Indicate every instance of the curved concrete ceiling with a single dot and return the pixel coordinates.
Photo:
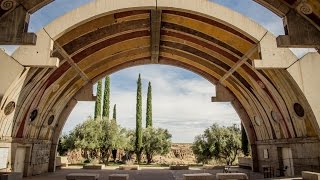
(96, 40)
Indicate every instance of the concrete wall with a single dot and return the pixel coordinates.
(305, 154)
(36, 155)
(9, 71)
(306, 73)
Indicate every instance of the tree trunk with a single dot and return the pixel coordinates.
(138, 157)
(149, 158)
(114, 154)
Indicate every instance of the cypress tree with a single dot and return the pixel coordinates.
(97, 109)
(106, 98)
(138, 143)
(149, 107)
(115, 112)
(244, 142)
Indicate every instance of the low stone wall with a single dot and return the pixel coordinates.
(179, 167)
(305, 154)
(245, 162)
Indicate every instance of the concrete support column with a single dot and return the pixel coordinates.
(299, 32)
(52, 158)
(55, 138)
(14, 28)
(255, 158)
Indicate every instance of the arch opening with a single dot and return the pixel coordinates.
(217, 47)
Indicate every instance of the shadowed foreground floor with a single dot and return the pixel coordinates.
(144, 174)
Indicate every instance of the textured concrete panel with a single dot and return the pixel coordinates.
(10, 69)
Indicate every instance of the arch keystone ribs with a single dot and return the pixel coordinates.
(155, 26)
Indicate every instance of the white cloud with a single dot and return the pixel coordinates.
(181, 101)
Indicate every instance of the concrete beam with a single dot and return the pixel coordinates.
(271, 55)
(298, 32)
(14, 28)
(222, 94)
(155, 26)
(38, 55)
(72, 63)
(239, 63)
(9, 71)
(85, 93)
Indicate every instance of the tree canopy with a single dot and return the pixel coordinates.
(221, 143)
(156, 141)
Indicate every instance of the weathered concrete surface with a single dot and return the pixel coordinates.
(200, 176)
(179, 167)
(38, 55)
(10, 69)
(306, 73)
(205, 38)
(129, 167)
(119, 177)
(299, 32)
(92, 166)
(84, 176)
(226, 176)
(144, 174)
(305, 154)
(307, 175)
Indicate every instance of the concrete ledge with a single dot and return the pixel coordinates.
(212, 167)
(62, 161)
(307, 175)
(84, 176)
(179, 167)
(239, 176)
(245, 162)
(10, 176)
(200, 176)
(92, 166)
(129, 167)
(119, 177)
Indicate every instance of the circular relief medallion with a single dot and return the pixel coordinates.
(9, 108)
(257, 120)
(261, 84)
(298, 109)
(275, 116)
(50, 120)
(8, 4)
(305, 8)
(33, 115)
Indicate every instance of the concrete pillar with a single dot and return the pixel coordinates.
(255, 158)
(52, 158)
(299, 32)
(55, 138)
(14, 28)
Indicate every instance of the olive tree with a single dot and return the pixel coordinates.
(156, 141)
(221, 143)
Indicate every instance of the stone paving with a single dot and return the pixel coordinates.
(143, 174)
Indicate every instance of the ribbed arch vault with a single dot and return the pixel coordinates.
(99, 39)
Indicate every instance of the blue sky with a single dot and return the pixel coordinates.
(181, 99)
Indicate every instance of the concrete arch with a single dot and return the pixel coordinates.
(230, 50)
(301, 19)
